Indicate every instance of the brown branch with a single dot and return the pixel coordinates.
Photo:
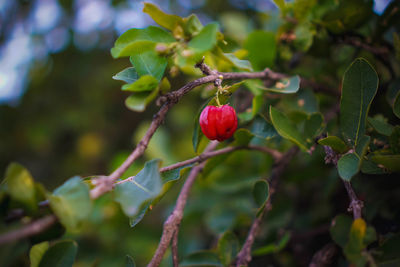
(244, 256)
(171, 225)
(28, 230)
(355, 205)
(174, 249)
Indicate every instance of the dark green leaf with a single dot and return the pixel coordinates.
(144, 83)
(256, 105)
(201, 259)
(149, 63)
(36, 253)
(205, 40)
(262, 128)
(394, 140)
(228, 247)
(369, 167)
(242, 137)
(396, 105)
(71, 202)
(335, 143)
(348, 166)
(136, 41)
(128, 75)
(362, 146)
(262, 49)
(174, 174)
(273, 248)
(313, 125)
(61, 254)
(129, 261)
(360, 83)
(261, 192)
(135, 219)
(390, 162)
(144, 186)
(381, 126)
(21, 186)
(286, 128)
(340, 229)
(163, 19)
(139, 101)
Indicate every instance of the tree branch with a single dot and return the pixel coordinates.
(174, 249)
(244, 256)
(355, 205)
(171, 225)
(28, 230)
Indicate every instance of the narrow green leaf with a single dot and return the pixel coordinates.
(61, 254)
(262, 128)
(286, 128)
(228, 247)
(205, 40)
(335, 143)
(144, 83)
(273, 248)
(390, 162)
(129, 261)
(262, 49)
(396, 105)
(163, 19)
(71, 202)
(36, 253)
(128, 75)
(201, 258)
(348, 166)
(136, 41)
(145, 185)
(360, 83)
(288, 85)
(380, 125)
(150, 63)
(21, 185)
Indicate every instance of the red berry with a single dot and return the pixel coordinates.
(218, 123)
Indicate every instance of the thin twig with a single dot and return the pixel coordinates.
(171, 225)
(244, 256)
(356, 205)
(28, 230)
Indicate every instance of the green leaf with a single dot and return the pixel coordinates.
(390, 162)
(394, 140)
(205, 40)
(369, 167)
(340, 229)
(174, 174)
(163, 19)
(21, 185)
(192, 25)
(280, 3)
(135, 219)
(201, 259)
(286, 128)
(348, 166)
(360, 83)
(273, 248)
(242, 137)
(288, 85)
(396, 105)
(36, 253)
(355, 245)
(261, 192)
(262, 128)
(71, 202)
(128, 75)
(136, 41)
(61, 254)
(238, 63)
(262, 49)
(228, 247)
(380, 125)
(129, 261)
(256, 104)
(149, 63)
(362, 146)
(139, 101)
(145, 185)
(313, 125)
(144, 83)
(335, 143)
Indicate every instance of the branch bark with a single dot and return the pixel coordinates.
(244, 256)
(171, 225)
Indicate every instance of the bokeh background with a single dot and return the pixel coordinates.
(62, 114)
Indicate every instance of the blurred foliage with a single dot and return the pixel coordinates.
(72, 121)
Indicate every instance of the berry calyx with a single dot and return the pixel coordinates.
(218, 123)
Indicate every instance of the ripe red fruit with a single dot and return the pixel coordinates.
(218, 123)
